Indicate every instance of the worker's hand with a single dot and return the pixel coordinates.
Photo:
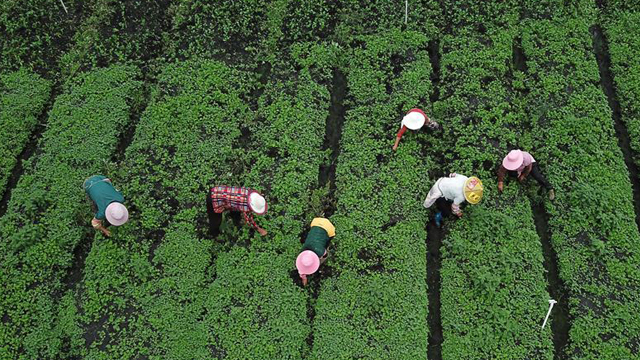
(262, 231)
(521, 177)
(304, 281)
(395, 146)
(106, 232)
(459, 215)
(500, 186)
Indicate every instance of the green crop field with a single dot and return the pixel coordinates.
(301, 100)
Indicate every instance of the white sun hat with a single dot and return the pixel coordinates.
(257, 203)
(117, 214)
(413, 120)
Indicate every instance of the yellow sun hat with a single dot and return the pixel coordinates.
(473, 190)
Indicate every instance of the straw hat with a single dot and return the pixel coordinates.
(414, 120)
(473, 190)
(257, 203)
(117, 214)
(307, 262)
(513, 160)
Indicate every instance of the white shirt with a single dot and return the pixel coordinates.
(453, 188)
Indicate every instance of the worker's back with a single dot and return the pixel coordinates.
(453, 188)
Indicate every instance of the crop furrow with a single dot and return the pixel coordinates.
(379, 246)
(22, 140)
(591, 220)
(560, 323)
(601, 49)
(333, 132)
(39, 231)
(492, 287)
(183, 143)
(434, 262)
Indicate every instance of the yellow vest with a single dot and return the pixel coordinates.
(326, 225)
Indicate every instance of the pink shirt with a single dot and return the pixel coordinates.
(527, 160)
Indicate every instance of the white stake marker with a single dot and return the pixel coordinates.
(64, 7)
(406, 10)
(551, 303)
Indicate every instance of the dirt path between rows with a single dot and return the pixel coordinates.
(601, 49)
(327, 177)
(560, 324)
(29, 150)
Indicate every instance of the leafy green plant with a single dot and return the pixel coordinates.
(23, 96)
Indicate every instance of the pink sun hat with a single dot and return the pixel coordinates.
(117, 214)
(414, 119)
(513, 160)
(307, 262)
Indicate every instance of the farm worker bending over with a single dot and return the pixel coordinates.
(107, 203)
(232, 198)
(449, 193)
(414, 120)
(314, 252)
(520, 164)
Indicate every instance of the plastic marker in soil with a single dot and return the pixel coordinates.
(551, 303)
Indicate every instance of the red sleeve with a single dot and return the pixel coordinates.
(248, 217)
(401, 132)
(418, 110)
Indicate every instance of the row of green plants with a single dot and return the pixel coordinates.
(48, 214)
(144, 289)
(23, 96)
(621, 30)
(163, 275)
(591, 221)
(372, 302)
(256, 306)
(493, 287)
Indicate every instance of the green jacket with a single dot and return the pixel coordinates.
(317, 241)
(102, 193)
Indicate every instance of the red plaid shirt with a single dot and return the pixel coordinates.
(233, 198)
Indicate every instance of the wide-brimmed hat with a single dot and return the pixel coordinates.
(257, 203)
(117, 214)
(473, 190)
(307, 262)
(513, 160)
(414, 120)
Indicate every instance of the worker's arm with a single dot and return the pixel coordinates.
(304, 280)
(502, 171)
(248, 217)
(525, 172)
(455, 208)
(432, 124)
(399, 136)
(97, 224)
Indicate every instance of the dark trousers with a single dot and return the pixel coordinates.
(215, 219)
(537, 175)
(444, 206)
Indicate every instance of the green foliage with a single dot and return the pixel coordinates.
(493, 290)
(23, 96)
(48, 215)
(183, 144)
(621, 29)
(591, 221)
(35, 33)
(117, 31)
(378, 252)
